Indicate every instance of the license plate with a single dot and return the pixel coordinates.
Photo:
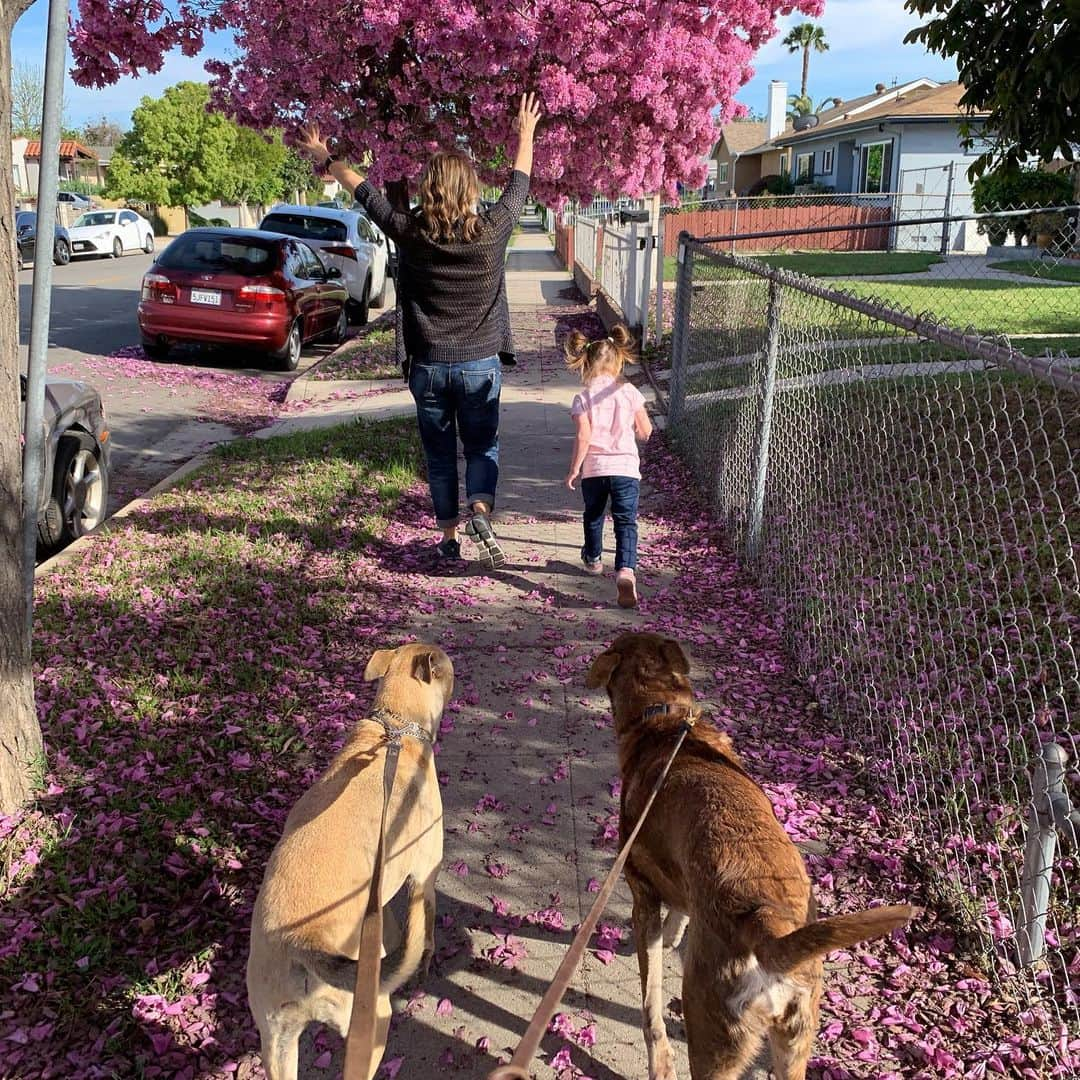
(206, 296)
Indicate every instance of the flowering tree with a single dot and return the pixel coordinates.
(629, 88)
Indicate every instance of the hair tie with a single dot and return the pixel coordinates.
(612, 340)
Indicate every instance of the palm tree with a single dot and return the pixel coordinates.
(804, 37)
(803, 105)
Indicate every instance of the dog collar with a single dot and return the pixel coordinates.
(663, 708)
(396, 727)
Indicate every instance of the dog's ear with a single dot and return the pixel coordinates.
(674, 657)
(603, 667)
(379, 664)
(428, 667)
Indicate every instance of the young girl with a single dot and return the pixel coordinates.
(610, 416)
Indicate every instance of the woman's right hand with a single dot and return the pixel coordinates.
(528, 116)
(312, 143)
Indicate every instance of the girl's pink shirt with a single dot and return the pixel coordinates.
(611, 404)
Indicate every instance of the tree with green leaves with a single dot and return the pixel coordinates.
(1017, 62)
(177, 153)
(256, 172)
(803, 38)
(804, 106)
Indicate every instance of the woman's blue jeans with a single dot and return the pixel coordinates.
(451, 400)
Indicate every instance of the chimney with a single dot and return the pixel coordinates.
(776, 116)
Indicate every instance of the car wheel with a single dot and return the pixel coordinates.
(380, 300)
(61, 252)
(341, 329)
(288, 357)
(359, 309)
(80, 492)
(155, 350)
(148, 244)
(117, 248)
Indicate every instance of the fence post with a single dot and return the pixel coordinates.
(768, 393)
(1050, 811)
(945, 225)
(680, 332)
(661, 240)
(628, 300)
(734, 224)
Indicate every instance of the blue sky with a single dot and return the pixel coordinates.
(865, 36)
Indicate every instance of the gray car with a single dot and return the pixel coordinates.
(74, 489)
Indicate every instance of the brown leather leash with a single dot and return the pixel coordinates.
(549, 1003)
(361, 1037)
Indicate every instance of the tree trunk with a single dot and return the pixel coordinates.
(20, 734)
(805, 68)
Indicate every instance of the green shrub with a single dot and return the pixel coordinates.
(1015, 189)
(773, 184)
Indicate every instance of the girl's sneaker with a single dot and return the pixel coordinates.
(592, 566)
(626, 584)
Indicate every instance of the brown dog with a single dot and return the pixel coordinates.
(305, 929)
(712, 849)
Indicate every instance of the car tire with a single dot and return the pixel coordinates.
(61, 252)
(340, 330)
(287, 358)
(117, 247)
(148, 244)
(380, 300)
(359, 310)
(80, 492)
(155, 350)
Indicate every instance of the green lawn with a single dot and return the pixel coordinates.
(839, 263)
(370, 355)
(1040, 268)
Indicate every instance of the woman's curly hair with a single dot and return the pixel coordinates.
(449, 191)
(604, 356)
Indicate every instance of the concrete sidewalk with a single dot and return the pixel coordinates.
(526, 757)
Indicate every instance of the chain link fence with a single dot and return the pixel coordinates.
(899, 463)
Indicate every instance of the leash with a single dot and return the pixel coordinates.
(530, 1041)
(361, 1037)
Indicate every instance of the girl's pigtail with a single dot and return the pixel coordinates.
(576, 349)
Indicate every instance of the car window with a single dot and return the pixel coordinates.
(202, 252)
(313, 268)
(294, 262)
(127, 217)
(305, 226)
(363, 227)
(25, 220)
(96, 217)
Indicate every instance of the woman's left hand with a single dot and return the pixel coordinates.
(313, 144)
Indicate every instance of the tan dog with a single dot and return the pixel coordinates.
(305, 929)
(712, 848)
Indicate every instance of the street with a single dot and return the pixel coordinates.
(159, 414)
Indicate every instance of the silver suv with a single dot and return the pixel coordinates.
(74, 488)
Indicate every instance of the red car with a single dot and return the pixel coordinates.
(256, 290)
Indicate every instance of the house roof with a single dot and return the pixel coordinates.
(69, 149)
(102, 153)
(740, 135)
(922, 103)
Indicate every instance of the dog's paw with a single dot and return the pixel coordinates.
(675, 928)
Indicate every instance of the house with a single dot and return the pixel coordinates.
(746, 152)
(77, 162)
(898, 141)
(104, 158)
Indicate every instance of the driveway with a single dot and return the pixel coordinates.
(160, 414)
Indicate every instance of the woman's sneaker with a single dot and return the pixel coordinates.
(626, 584)
(479, 528)
(592, 566)
(448, 549)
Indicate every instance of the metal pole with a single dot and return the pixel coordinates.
(945, 237)
(41, 290)
(680, 332)
(768, 394)
(735, 225)
(1050, 811)
(660, 241)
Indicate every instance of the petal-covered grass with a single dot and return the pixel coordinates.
(369, 355)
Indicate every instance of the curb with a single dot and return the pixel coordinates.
(77, 547)
(306, 377)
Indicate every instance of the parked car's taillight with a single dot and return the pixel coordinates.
(344, 251)
(263, 296)
(160, 288)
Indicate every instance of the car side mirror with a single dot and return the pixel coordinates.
(332, 272)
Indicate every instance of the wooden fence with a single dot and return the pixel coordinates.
(703, 223)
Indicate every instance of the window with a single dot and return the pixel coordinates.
(804, 168)
(827, 162)
(306, 226)
(722, 172)
(127, 218)
(875, 167)
(203, 252)
(785, 162)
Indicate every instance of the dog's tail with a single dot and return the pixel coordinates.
(839, 932)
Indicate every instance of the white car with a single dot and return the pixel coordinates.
(110, 232)
(345, 239)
